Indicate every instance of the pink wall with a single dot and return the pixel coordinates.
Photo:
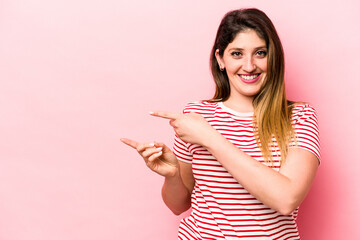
(77, 75)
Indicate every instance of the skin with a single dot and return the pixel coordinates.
(245, 55)
(179, 181)
(282, 191)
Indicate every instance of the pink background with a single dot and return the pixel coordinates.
(77, 75)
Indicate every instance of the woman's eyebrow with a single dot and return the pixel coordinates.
(238, 49)
(261, 47)
(241, 49)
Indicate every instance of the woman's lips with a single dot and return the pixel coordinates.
(250, 78)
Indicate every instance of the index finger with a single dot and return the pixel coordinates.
(129, 142)
(166, 115)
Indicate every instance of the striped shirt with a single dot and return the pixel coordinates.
(221, 207)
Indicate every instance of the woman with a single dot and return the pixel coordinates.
(244, 160)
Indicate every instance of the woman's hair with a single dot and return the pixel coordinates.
(272, 111)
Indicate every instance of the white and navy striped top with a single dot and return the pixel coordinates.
(221, 207)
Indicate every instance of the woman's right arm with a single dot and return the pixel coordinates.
(176, 191)
(179, 181)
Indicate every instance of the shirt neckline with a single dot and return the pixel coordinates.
(240, 114)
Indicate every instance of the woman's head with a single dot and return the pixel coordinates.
(231, 25)
(245, 63)
(272, 111)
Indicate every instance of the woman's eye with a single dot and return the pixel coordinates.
(261, 53)
(236, 54)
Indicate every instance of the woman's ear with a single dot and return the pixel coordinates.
(219, 60)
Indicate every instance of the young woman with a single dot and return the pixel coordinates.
(244, 160)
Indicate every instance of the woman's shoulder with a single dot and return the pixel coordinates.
(298, 107)
(302, 111)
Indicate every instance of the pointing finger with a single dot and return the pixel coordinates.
(143, 146)
(130, 142)
(166, 115)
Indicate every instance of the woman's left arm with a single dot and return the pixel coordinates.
(282, 191)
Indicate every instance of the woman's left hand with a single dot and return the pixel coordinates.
(191, 127)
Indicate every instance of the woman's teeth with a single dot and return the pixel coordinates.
(249, 77)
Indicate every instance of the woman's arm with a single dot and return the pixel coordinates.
(282, 191)
(179, 181)
(176, 191)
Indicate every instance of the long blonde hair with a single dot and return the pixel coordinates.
(272, 111)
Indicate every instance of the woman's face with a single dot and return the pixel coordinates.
(245, 62)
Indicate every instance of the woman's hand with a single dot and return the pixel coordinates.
(191, 127)
(158, 157)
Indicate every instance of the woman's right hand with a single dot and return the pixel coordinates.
(157, 156)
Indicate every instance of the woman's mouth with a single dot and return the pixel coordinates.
(249, 78)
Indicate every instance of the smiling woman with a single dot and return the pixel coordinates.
(245, 159)
(245, 62)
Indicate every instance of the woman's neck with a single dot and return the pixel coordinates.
(240, 104)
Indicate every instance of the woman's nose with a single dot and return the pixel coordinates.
(249, 65)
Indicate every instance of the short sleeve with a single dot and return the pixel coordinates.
(181, 148)
(306, 129)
